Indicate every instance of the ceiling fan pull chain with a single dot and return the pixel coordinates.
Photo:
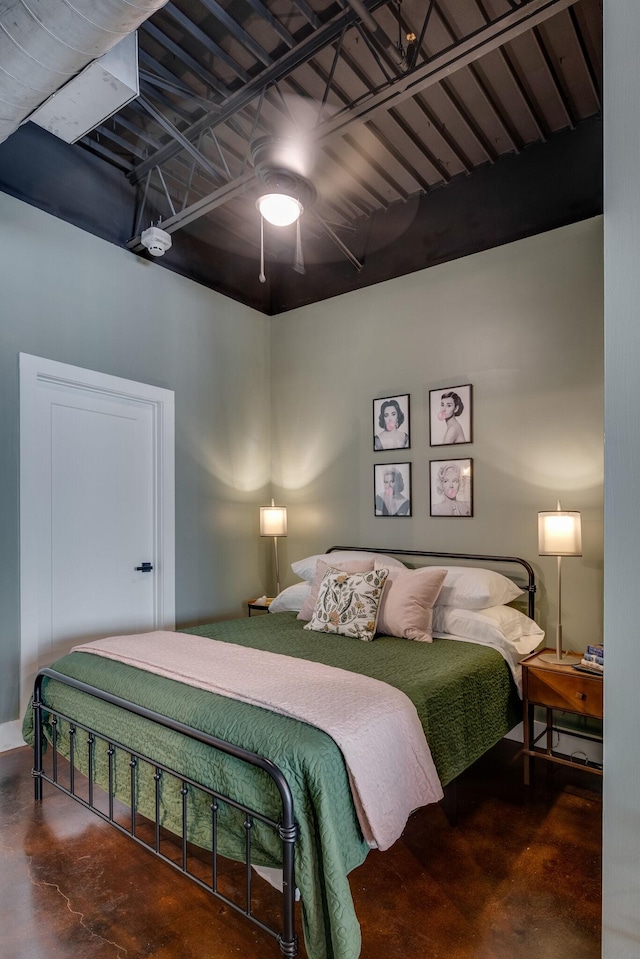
(262, 277)
(298, 263)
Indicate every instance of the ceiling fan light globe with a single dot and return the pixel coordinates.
(280, 209)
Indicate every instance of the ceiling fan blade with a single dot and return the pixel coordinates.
(298, 261)
(347, 182)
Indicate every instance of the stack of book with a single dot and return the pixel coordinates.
(593, 660)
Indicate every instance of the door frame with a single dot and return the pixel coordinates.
(35, 370)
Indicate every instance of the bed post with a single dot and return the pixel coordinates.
(288, 833)
(36, 772)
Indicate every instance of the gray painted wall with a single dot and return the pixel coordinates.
(523, 325)
(621, 868)
(69, 296)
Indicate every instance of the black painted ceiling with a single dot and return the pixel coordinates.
(436, 128)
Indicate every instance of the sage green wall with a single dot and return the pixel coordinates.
(621, 860)
(523, 324)
(71, 297)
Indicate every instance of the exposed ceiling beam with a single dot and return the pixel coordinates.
(506, 28)
(185, 58)
(200, 207)
(237, 32)
(209, 45)
(175, 133)
(300, 54)
(264, 12)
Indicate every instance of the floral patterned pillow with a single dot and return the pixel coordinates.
(348, 603)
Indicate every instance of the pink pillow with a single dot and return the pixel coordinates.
(346, 566)
(407, 603)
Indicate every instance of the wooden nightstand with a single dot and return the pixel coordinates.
(556, 688)
(259, 605)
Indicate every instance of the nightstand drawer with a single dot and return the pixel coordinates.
(566, 690)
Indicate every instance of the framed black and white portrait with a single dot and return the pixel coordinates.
(391, 423)
(450, 415)
(392, 489)
(451, 492)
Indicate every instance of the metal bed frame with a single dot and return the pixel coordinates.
(529, 587)
(285, 828)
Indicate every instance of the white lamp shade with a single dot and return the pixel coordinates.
(279, 209)
(559, 533)
(273, 521)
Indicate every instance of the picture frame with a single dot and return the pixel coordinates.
(391, 423)
(451, 487)
(392, 489)
(450, 419)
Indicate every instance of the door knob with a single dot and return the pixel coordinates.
(145, 568)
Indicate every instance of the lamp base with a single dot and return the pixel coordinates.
(564, 660)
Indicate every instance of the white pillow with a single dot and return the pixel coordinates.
(290, 598)
(503, 628)
(348, 603)
(305, 568)
(466, 587)
(497, 625)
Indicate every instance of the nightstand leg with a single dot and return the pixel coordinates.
(527, 730)
(549, 731)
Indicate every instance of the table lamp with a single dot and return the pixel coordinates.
(559, 534)
(273, 522)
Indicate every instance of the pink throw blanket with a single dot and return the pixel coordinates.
(375, 725)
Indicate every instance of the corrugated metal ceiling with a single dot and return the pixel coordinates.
(481, 79)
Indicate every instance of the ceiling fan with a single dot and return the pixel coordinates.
(286, 161)
(282, 165)
(297, 179)
(297, 173)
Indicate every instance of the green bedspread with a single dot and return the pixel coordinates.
(463, 693)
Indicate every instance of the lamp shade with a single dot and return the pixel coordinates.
(273, 521)
(279, 208)
(559, 533)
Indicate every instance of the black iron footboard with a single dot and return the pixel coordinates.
(286, 828)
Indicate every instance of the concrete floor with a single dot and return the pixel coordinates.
(517, 876)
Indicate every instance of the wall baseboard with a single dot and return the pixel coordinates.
(11, 735)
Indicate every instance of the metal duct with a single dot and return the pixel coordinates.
(45, 43)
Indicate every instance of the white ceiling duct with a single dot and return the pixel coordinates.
(45, 43)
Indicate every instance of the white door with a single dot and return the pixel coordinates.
(96, 506)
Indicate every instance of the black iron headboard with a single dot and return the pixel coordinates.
(529, 586)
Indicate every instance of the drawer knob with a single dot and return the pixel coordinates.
(580, 695)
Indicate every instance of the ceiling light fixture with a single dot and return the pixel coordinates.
(279, 164)
(280, 209)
